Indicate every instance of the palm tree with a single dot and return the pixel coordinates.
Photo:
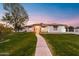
(16, 14)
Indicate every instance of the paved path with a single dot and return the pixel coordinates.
(41, 47)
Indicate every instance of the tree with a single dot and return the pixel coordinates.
(71, 29)
(1, 30)
(4, 30)
(15, 15)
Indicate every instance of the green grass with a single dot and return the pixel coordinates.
(63, 44)
(20, 44)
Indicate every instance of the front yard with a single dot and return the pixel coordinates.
(24, 44)
(19, 44)
(63, 44)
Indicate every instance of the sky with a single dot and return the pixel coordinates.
(61, 13)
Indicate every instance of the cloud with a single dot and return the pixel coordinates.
(73, 21)
(2, 13)
(41, 19)
(46, 19)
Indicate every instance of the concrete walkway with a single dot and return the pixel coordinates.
(41, 47)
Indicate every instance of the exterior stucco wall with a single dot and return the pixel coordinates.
(50, 29)
(44, 29)
(61, 29)
(76, 30)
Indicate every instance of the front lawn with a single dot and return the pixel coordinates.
(63, 44)
(19, 44)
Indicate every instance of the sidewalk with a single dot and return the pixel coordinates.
(41, 47)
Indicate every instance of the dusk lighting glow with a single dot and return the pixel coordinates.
(63, 13)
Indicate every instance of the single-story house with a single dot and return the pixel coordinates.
(76, 29)
(49, 28)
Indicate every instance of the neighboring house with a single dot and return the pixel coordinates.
(76, 29)
(49, 28)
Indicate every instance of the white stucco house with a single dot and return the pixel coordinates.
(76, 29)
(48, 28)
